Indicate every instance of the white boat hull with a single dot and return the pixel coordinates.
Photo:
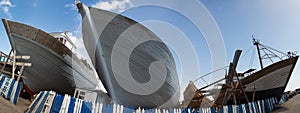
(49, 70)
(134, 65)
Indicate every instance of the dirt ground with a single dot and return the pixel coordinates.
(8, 107)
(291, 106)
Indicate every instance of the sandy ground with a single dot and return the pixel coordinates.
(8, 107)
(291, 106)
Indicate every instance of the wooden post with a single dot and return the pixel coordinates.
(241, 85)
(14, 65)
(253, 96)
(256, 43)
(21, 72)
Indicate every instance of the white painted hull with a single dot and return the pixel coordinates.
(269, 82)
(49, 70)
(109, 38)
(272, 80)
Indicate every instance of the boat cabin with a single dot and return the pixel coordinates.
(64, 39)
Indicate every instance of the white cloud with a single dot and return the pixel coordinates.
(72, 6)
(78, 42)
(117, 6)
(5, 8)
(6, 2)
(5, 5)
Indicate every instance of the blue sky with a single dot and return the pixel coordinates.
(275, 22)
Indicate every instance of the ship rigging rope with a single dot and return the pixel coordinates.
(252, 58)
(210, 73)
(273, 49)
(252, 55)
(250, 48)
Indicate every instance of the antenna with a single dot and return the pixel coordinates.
(67, 30)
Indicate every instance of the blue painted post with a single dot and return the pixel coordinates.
(247, 108)
(57, 102)
(36, 101)
(229, 107)
(2, 80)
(212, 110)
(103, 108)
(221, 110)
(42, 104)
(10, 89)
(18, 90)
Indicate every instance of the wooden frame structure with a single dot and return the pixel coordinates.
(15, 64)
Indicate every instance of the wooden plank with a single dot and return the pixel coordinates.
(6, 72)
(9, 73)
(20, 64)
(25, 57)
(22, 76)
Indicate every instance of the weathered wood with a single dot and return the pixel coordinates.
(18, 57)
(14, 65)
(51, 61)
(20, 64)
(21, 72)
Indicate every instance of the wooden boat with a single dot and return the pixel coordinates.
(54, 66)
(269, 81)
(112, 40)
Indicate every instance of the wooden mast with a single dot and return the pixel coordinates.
(256, 43)
(229, 79)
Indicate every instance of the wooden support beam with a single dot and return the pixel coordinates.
(20, 64)
(21, 76)
(18, 57)
(14, 65)
(23, 57)
(6, 72)
(21, 72)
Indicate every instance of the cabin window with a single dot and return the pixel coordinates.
(61, 39)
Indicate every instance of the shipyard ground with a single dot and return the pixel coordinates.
(291, 106)
(8, 107)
